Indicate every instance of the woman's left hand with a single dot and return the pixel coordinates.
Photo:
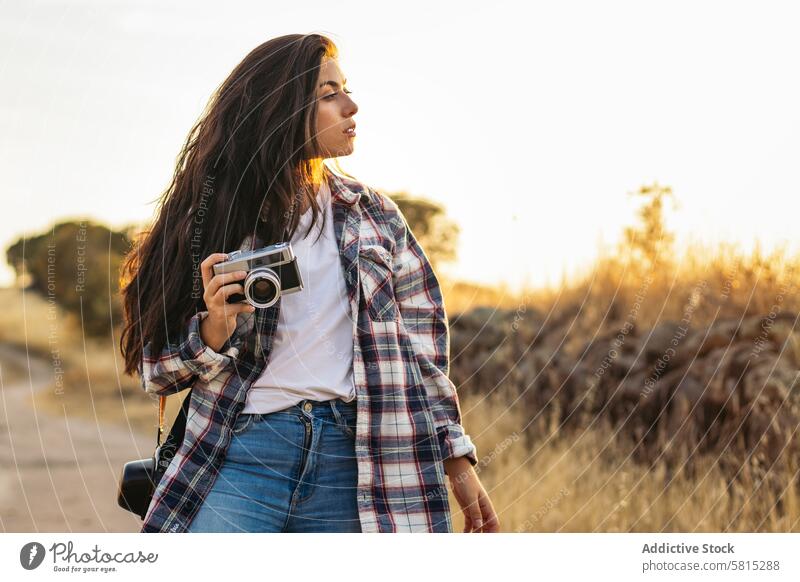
(479, 515)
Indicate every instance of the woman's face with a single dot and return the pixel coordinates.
(335, 111)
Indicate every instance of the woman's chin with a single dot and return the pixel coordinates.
(339, 152)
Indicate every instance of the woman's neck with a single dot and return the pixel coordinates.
(306, 203)
(317, 179)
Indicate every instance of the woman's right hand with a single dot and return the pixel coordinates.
(219, 325)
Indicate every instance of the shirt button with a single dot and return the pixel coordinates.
(307, 407)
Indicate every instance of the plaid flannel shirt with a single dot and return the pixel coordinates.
(408, 415)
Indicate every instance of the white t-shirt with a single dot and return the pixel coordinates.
(312, 351)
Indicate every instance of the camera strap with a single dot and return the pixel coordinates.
(167, 449)
(288, 221)
(162, 406)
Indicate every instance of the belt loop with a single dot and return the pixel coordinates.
(337, 415)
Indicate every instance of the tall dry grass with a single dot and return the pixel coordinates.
(585, 481)
(547, 474)
(543, 475)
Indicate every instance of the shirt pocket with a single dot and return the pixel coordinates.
(377, 283)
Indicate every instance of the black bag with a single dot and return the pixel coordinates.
(140, 478)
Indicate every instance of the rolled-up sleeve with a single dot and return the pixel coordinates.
(182, 363)
(422, 310)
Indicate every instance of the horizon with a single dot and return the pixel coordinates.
(103, 95)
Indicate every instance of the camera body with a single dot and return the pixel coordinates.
(136, 486)
(272, 271)
(140, 478)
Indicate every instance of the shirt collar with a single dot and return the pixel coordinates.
(344, 189)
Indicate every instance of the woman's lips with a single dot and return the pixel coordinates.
(351, 132)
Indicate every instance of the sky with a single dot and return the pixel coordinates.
(530, 122)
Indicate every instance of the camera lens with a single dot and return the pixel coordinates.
(263, 291)
(262, 287)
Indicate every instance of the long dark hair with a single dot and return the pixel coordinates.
(244, 164)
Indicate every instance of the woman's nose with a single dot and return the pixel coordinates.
(352, 108)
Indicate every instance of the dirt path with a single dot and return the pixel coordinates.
(58, 474)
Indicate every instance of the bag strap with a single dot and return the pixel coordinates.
(179, 425)
(162, 405)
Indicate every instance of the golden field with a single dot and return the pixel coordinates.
(562, 446)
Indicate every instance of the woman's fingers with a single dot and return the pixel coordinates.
(226, 291)
(474, 512)
(220, 300)
(221, 320)
(491, 524)
(207, 264)
(479, 515)
(218, 282)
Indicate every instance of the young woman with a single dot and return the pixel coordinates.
(332, 409)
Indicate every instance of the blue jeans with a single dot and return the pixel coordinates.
(288, 471)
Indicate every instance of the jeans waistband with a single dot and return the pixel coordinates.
(322, 406)
(316, 408)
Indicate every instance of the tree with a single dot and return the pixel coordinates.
(76, 265)
(650, 242)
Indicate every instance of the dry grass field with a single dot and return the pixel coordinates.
(649, 395)
(564, 446)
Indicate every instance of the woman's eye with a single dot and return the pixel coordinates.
(332, 95)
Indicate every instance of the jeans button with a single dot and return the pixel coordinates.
(307, 407)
